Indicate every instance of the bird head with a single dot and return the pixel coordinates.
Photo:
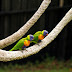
(44, 33)
(30, 37)
(40, 37)
(26, 43)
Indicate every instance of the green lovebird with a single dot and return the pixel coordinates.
(38, 36)
(23, 43)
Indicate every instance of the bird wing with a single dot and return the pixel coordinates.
(38, 32)
(19, 44)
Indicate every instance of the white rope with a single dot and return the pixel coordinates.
(17, 35)
(13, 55)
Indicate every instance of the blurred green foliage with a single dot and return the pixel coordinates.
(50, 64)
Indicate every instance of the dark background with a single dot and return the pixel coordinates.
(15, 13)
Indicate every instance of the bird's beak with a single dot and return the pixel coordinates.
(46, 34)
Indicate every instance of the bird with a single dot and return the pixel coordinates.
(39, 35)
(23, 43)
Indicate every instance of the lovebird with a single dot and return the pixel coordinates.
(39, 35)
(23, 43)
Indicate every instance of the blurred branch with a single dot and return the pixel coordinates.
(61, 3)
(17, 35)
(13, 55)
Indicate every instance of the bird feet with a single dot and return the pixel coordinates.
(38, 44)
(25, 49)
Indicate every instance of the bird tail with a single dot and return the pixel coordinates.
(11, 49)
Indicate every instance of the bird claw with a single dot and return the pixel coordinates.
(38, 44)
(25, 49)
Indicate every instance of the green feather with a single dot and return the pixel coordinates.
(38, 32)
(36, 37)
(19, 45)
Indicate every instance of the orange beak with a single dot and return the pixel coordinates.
(46, 34)
(26, 43)
(40, 37)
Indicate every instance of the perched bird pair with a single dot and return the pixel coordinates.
(24, 42)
